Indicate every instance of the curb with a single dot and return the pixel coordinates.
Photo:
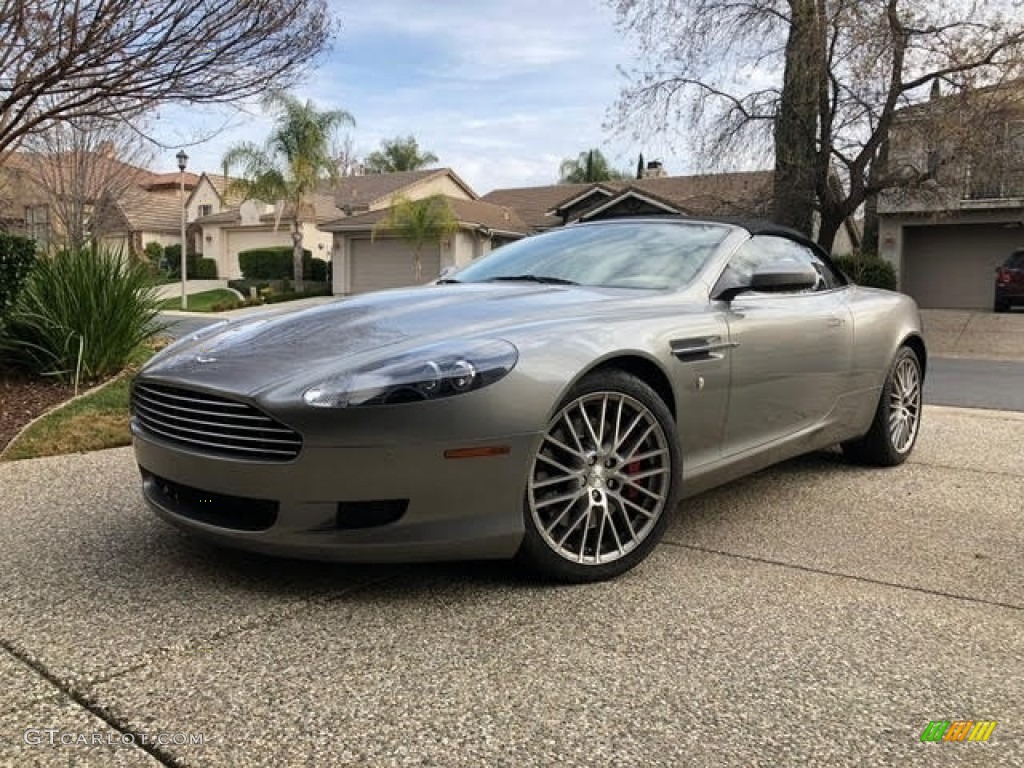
(17, 435)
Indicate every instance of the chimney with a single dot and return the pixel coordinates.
(654, 170)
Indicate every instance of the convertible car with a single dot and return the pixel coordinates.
(551, 402)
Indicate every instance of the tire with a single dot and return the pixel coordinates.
(602, 483)
(1001, 305)
(897, 419)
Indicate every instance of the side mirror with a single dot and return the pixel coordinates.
(791, 279)
(785, 278)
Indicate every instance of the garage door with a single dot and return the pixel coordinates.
(953, 266)
(388, 263)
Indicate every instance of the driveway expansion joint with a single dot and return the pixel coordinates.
(840, 575)
(83, 701)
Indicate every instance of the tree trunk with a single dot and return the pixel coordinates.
(831, 221)
(417, 265)
(796, 157)
(297, 256)
(869, 242)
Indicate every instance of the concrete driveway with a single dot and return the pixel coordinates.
(814, 614)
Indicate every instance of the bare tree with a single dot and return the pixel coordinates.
(744, 71)
(76, 164)
(63, 59)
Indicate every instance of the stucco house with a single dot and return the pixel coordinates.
(222, 225)
(143, 214)
(126, 206)
(367, 262)
(964, 213)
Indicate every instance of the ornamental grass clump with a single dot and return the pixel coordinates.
(80, 316)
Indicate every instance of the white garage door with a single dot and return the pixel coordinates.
(388, 263)
(953, 266)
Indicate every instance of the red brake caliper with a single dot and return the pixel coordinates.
(632, 468)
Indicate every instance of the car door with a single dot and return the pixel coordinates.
(791, 352)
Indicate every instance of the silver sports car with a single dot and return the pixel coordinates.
(552, 401)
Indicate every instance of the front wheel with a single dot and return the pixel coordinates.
(897, 417)
(602, 482)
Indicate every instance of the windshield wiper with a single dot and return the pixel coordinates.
(447, 281)
(547, 280)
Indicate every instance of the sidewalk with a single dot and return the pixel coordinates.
(972, 334)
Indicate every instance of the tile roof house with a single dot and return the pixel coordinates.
(365, 261)
(742, 194)
(125, 205)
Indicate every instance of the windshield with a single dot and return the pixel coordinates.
(653, 255)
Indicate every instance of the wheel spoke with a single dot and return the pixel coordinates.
(556, 499)
(561, 516)
(649, 473)
(562, 446)
(590, 427)
(575, 436)
(582, 517)
(622, 440)
(629, 456)
(552, 462)
(655, 496)
(646, 513)
(600, 531)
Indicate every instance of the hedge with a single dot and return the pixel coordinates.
(206, 269)
(868, 270)
(276, 264)
(17, 257)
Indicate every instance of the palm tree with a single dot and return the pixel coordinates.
(399, 154)
(420, 223)
(591, 165)
(293, 163)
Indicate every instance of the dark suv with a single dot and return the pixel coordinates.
(1010, 282)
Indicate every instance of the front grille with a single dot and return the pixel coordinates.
(212, 424)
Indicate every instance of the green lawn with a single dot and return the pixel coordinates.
(207, 301)
(93, 422)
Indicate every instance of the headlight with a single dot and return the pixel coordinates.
(439, 370)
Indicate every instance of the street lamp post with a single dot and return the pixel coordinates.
(182, 162)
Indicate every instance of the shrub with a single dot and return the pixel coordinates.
(154, 252)
(868, 270)
(274, 263)
(317, 271)
(17, 257)
(92, 302)
(172, 255)
(206, 269)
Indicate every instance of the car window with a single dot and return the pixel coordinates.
(652, 255)
(1016, 261)
(769, 252)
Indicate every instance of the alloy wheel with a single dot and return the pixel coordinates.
(601, 479)
(904, 404)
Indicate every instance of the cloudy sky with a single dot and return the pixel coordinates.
(499, 90)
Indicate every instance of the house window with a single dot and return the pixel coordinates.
(205, 210)
(37, 224)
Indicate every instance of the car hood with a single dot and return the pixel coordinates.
(251, 355)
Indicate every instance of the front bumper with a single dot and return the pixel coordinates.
(465, 508)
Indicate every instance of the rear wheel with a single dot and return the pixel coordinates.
(603, 481)
(897, 418)
(1001, 305)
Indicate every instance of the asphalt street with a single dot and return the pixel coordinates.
(816, 614)
(966, 383)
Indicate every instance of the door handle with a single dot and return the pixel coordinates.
(835, 321)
